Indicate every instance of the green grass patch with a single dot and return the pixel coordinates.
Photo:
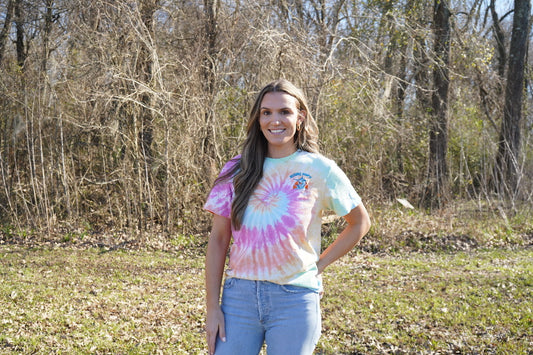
(469, 302)
(98, 301)
(93, 301)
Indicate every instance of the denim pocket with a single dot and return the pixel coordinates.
(295, 289)
(229, 283)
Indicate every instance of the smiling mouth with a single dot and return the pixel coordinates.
(276, 131)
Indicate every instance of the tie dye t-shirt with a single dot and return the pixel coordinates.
(279, 240)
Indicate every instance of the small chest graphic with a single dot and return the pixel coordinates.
(300, 181)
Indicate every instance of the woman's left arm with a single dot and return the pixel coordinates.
(358, 225)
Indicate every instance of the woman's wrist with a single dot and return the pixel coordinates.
(320, 267)
(213, 305)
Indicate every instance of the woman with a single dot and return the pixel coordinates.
(270, 200)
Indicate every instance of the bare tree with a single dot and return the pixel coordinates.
(22, 51)
(211, 8)
(509, 144)
(6, 28)
(499, 37)
(436, 191)
(49, 18)
(144, 68)
(395, 66)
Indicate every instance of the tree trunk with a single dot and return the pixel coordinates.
(396, 53)
(326, 25)
(507, 159)
(19, 25)
(421, 71)
(48, 20)
(6, 28)
(145, 73)
(500, 39)
(144, 70)
(437, 189)
(209, 73)
(210, 8)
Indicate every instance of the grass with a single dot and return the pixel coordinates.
(97, 301)
(474, 302)
(93, 301)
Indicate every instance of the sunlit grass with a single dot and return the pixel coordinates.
(72, 301)
(100, 302)
(467, 302)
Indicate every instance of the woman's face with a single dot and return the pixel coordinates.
(278, 119)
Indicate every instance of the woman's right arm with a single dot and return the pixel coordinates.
(217, 249)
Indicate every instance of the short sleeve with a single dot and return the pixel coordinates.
(341, 196)
(221, 196)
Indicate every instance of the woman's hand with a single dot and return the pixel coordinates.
(217, 248)
(214, 327)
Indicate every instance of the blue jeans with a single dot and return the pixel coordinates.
(286, 318)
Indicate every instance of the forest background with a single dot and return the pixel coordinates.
(116, 116)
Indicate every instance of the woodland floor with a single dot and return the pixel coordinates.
(410, 289)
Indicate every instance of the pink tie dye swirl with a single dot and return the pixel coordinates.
(273, 237)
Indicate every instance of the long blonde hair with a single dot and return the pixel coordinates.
(248, 171)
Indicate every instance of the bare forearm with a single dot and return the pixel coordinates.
(217, 248)
(340, 247)
(214, 269)
(215, 259)
(358, 226)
